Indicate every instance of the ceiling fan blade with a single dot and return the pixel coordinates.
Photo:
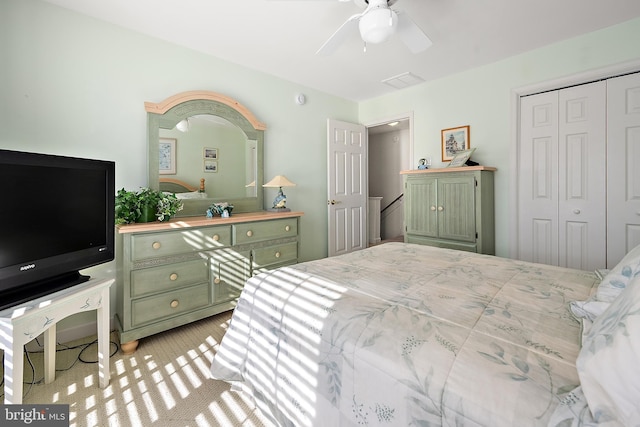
(411, 35)
(337, 38)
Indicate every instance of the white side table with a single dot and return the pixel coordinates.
(23, 323)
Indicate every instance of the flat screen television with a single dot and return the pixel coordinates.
(56, 218)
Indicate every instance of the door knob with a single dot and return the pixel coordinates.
(440, 208)
(433, 208)
(576, 211)
(333, 202)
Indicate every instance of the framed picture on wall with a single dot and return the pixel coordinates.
(454, 140)
(211, 153)
(210, 165)
(167, 153)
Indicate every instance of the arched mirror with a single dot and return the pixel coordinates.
(206, 148)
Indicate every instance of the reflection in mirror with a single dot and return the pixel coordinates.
(214, 149)
(222, 145)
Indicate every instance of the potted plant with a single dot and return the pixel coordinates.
(145, 205)
(168, 206)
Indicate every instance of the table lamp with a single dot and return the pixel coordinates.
(280, 202)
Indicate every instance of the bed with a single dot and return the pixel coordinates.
(182, 189)
(409, 335)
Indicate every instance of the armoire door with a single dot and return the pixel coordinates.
(562, 177)
(421, 216)
(623, 160)
(456, 208)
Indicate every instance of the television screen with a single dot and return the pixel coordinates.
(57, 217)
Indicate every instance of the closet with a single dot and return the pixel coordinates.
(578, 179)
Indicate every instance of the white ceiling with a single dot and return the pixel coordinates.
(280, 37)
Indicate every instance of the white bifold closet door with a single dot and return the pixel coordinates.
(623, 163)
(562, 177)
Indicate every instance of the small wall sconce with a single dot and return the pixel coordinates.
(280, 202)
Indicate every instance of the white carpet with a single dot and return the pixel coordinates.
(164, 383)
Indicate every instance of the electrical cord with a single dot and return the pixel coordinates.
(79, 358)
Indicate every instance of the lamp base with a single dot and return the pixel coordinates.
(279, 210)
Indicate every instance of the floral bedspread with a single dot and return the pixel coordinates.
(406, 335)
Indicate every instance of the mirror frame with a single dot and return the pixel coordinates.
(168, 113)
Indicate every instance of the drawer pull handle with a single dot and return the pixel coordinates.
(175, 303)
(216, 280)
(287, 228)
(249, 233)
(216, 237)
(278, 254)
(156, 245)
(576, 211)
(440, 208)
(173, 277)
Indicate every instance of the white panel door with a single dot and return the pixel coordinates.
(538, 179)
(562, 177)
(582, 177)
(347, 187)
(623, 160)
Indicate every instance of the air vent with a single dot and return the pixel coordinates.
(403, 80)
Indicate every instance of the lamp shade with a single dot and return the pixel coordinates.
(279, 181)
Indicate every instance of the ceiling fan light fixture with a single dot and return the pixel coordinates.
(183, 125)
(377, 25)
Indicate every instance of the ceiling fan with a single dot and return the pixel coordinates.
(376, 24)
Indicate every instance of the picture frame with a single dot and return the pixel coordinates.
(210, 153)
(460, 158)
(167, 156)
(210, 166)
(454, 140)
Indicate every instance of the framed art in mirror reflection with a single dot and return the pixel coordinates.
(167, 156)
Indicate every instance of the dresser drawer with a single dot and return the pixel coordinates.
(154, 245)
(170, 304)
(166, 277)
(277, 254)
(265, 230)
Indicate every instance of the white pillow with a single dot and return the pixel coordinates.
(609, 361)
(191, 195)
(617, 279)
(587, 312)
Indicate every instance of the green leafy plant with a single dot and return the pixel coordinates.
(168, 206)
(131, 206)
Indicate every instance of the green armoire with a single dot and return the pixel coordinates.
(450, 208)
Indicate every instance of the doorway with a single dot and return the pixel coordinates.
(389, 152)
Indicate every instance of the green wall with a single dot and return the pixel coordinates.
(482, 98)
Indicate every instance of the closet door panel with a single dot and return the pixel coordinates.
(623, 160)
(538, 179)
(581, 176)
